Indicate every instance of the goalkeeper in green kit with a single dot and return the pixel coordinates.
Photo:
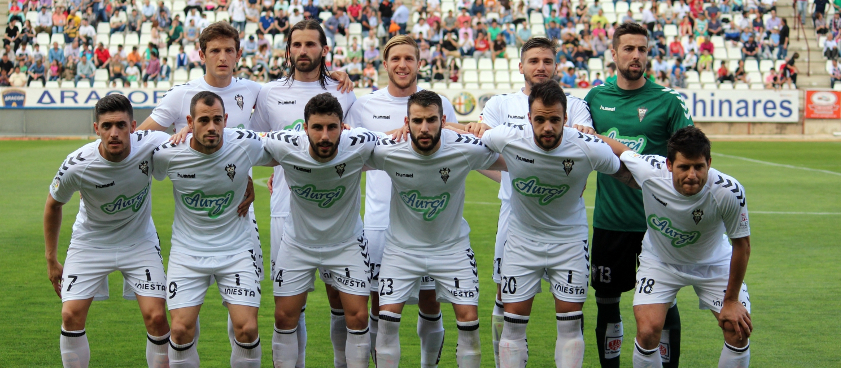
(642, 115)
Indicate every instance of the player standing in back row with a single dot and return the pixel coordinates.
(642, 115)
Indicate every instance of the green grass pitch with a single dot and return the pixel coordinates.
(793, 194)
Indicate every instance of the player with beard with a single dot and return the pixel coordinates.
(537, 64)
(427, 235)
(113, 231)
(382, 111)
(642, 115)
(547, 235)
(280, 106)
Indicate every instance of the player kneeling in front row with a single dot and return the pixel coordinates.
(548, 164)
(427, 234)
(113, 230)
(688, 206)
(209, 175)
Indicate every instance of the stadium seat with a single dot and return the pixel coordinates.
(765, 65)
(251, 28)
(622, 8)
(670, 31)
(51, 84)
(733, 65)
(719, 54)
(828, 66)
(470, 76)
(537, 30)
(692, 77)
(341, 41)
(709, 86)
(100, 84)
(595, 64)
(741, 86)
(486, 76)
(837, 87)
(189, 48)
(173, 50)
(487, 85)
(31, 16)
(144, 40)
(195, 73)
(512, 52)
(536, 18)
(502, 76)
(635, 6)
(116, 39)
(733, 52)
(694, 86)
(100, 75)
(178, 6)
(514, 64)
(608, 7)
(112, 49)
(718, 41)
(491, 16)
(355, 29)
(516, 77)
(446, 6)
(146, 28)
(501, 64)
(132, 39)
(222, 15)
(707, 77)
(57, 37)
(485, 64)
(43, 39)
(103, 28)
(750, 66)
(469, 63)
(425, 85)
(471, 85)
(755, 77)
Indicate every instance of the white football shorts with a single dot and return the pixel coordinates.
(346, 265)
(525, 262)
(501, 237)
(455, 276)
(237, 277)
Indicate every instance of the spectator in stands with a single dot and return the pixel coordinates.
(267, 23)
(312, 10)
(23, 57)
(401, 15)
(166, 70)
(37, 72)
(771, 43)
(580, 58)
(690, 61)
(834, 73)
(420, 31)
(818, 8)
(55, 54)
(372, 56)
(102, 56)
(153, 70)
(477, 8)
(466, 46)
(732, 33)
(87, 32)
(583, 80)
(723, 74)
(354, 70)
(18, 78)
(750, 49)
(714, 27)
(44, 22)
(194, 59)
(498, 47)
(830, 48)
(676, 49)
(772, 80)
(252, 13)
(134, 58)
(237, 12)
(176, 32)
(453, 70)
(148, 10)
(660, 67)
(181, 59)
(91, 17)
(68, 70)
(482, 47)
(275, 71)
(118, 21)
(15, 12)
(597, 81)
(116, 70)
(369, 21)
(4, 79)
(660, 47)
(705, 62)
(450, 46)
(678, 75)
(27, 33)
(71, 27)
(835, 23)
(132, 73)
(133, 22)
(191, 33)
(821, 28)
(88, 54)
(249, 46)
(568, 78)
(685, 27)
(338, 23)
(788, 72)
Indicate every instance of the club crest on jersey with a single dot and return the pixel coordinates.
(696, 215)
(340, 169)
(240, 102)
(231, 170)
(144, 167)
(679, 237)
(568, 165)
(445, 174)
(641, 112)
(532, 187)
(122, 203)
(429, 206)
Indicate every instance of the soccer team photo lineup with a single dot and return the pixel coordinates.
(663, 219)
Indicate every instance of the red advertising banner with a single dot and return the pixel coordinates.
(823, 105)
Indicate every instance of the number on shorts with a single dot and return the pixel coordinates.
(509, 285)
(389, 283)
(604, 274)
(173, 289)
(646, 285)
(70, 285)
(279, 278)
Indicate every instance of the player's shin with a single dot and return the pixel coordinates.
(388, 340)
(513, 349)
(431, 333)
(646, 358)
(284, 348)
(497, 323)
(302, 340)
(358, 348)
(609, 331)
(338, 336)
(246, 355)
(569, 346)
(75, 351)
(670, 338)
(157, 351)
(733, 357)
(468, 350)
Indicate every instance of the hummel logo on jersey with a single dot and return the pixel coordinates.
(521, 117)
(304, 169)
(325, 198)
(123, 203)
(679, 238)
(98, 186)
(526, 160)
(240, 101)
(231, 170)
(568, 163)
(607, 108)
(340, 169)
(144, 167)
(429, 206)
(661, 202)
(186, 176)
(445, 174)
(287, 102)
(697, 215)
(382, 116)
(401, 175)
(215, 205)
(532, 187)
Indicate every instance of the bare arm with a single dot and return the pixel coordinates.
(151, 124)
(732, 310)
(52, 227)
(624, 176)
(492, 174)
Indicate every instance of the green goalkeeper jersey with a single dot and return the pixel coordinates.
(642, 119)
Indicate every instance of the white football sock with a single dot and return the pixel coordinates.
(646, 358)
(302, 339)
(183, 356)
(733, 357)
(468, 348)
(388, 340)
(338, 335)
(513, 350)
(75, 351)
(497, 323)
(284, 348)
(246, 355)
(373, 327)
(569, 346)
(157, 351)
(431, 333)
(358, 348)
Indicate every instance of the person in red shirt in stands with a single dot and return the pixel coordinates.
(102, 56)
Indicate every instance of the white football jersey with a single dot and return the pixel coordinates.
(379, 111)
(325, 197)
(427, 192)
(546, 203)
(116, 205)
(207, 191)
(280, 106)
(512, 109)
(239, 99)
(688, 230)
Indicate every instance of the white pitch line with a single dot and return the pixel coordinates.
(776, 164)
(262, 182)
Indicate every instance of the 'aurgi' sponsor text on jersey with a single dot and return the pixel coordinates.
(325, 197)
(512, 109)
(116, 205)
(546, 203)
(382, 112)
(207, 191)
(238, 97)
(280, 106)
(688, 230)
(427, 192)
